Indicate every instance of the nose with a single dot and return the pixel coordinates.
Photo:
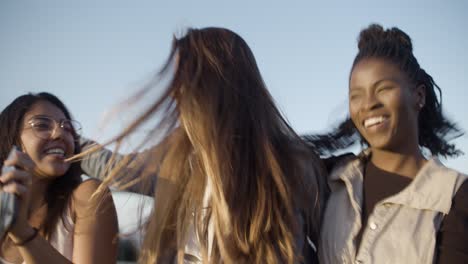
(371, 102)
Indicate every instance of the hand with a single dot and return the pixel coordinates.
(19, 181)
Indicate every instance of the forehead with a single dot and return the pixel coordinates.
(46, 109)
(371, 70)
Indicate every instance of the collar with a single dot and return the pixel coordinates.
(432, 189)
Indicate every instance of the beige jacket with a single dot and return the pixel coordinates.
(401, 229)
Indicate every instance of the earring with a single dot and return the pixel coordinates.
(421, 105)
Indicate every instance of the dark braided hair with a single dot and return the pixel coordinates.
(394, 46)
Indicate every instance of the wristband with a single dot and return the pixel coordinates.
(28, 239)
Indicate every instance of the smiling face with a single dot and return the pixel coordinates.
(48, 154)
(384, 105)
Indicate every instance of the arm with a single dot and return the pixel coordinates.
(95, 234)
(38, 250)
(95, 237)
(141, 168)
(315, 178)
(94, 165)
(452, 243)
(31, 245)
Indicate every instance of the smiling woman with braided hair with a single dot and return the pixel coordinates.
(391, 203)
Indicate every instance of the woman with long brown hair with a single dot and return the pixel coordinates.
(244, 186)
(55, 219)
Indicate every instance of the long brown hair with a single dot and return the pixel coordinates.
(227, 136)
(59, 191)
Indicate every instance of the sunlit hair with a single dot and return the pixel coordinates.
(394, 46)
(60, 190)
(225, 134)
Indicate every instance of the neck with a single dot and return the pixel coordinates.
(406, 164)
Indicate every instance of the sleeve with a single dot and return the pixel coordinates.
(332, 161)
(95, 164)
(452, 244)
(315, 177)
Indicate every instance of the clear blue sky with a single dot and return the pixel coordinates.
(93, 54)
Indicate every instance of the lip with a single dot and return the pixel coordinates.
(56, 155)
(377, 122)
(373, 116)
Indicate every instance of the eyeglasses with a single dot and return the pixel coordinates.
(44, 127)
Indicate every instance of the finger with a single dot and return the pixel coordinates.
(21, 160)
(16, 175)
(15, 188)
(12, 160)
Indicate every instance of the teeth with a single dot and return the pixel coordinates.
(373, 121)
(58, 151)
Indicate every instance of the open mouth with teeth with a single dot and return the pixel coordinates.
(374, 121)
(58, 152)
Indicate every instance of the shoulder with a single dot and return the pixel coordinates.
(87, 188)
(460, 200)
(342, 165)
(333, 162)
(310, 165)
(453, 236)
(435, 166)
(443, 175)
(458, 214)
(90, 196)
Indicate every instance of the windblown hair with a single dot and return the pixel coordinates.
(60, 190)
(238, 168)
(394, 46)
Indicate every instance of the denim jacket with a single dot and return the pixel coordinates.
(401, 229)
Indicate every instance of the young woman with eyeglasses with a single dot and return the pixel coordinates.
(56, 221)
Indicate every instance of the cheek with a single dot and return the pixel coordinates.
(354, 112)
(29, 145)
(394, 99)
(70, 141)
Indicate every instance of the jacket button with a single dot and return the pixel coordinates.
(373, 225)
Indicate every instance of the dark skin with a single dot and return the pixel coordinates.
(384, 106)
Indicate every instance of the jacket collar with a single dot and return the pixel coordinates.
(429, 190)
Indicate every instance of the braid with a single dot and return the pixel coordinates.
(395, 46)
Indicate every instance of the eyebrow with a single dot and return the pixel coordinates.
(385, 80)
(46, 116)
(39, 116)
(375, 83)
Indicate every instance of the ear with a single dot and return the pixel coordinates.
(420, 96)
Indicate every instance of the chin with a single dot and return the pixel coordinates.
(385, 146)
(381, 144)
(55, 171)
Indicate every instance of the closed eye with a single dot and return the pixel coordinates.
(354, 96)
(384, 88)
(41, 124)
